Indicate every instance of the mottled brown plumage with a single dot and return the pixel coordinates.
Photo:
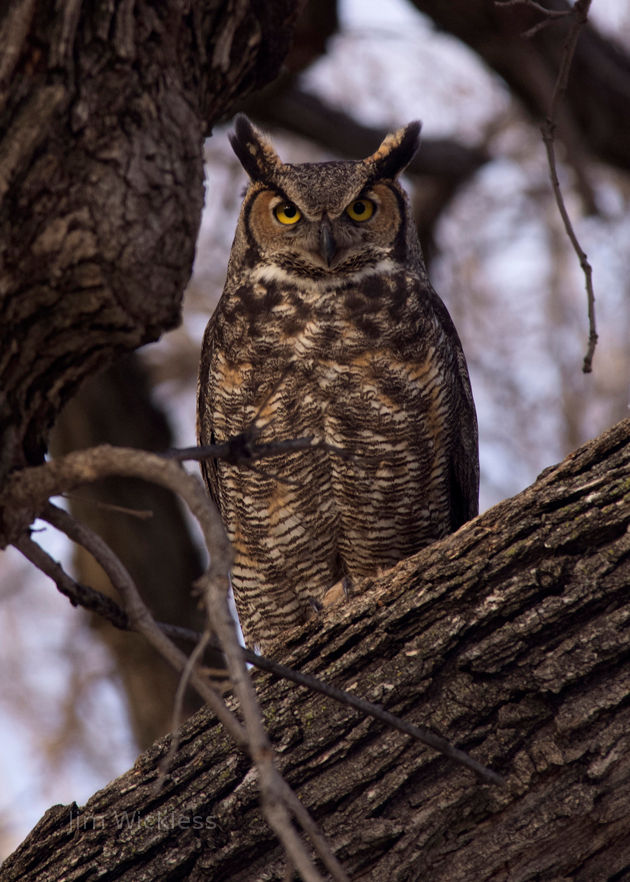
(328, 326)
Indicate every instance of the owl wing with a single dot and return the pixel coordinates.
(205, 409)
(463, 461)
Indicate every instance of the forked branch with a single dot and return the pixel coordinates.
(27, 495)
(579, 12)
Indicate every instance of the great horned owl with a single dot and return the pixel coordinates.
(328, 327)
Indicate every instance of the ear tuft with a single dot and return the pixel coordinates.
(255, 153)
(397, 151)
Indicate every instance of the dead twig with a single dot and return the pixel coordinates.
(29, 492)
(243, 449)
(580, 13)
(142, 514)
(550, 15)
(178, 704)
(114, 614)
(77, 594)
(532, 4)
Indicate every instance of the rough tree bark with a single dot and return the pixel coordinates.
(103, 110)
(510, 637)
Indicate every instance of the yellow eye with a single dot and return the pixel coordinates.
(360, 210)
(287, 213)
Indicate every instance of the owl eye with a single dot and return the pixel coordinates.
(287, 213)
(360, 210)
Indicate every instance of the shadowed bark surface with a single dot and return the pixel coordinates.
(103, 111)
(509, 637)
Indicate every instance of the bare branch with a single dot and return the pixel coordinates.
(551, 15)
(532, 4)
(78, 595)
(142, 514)
(242, 449)
(99, 603)
(29, 492)
(139, 615)
(580, 12)
(421, 733)
(178, 704)
(548, 129)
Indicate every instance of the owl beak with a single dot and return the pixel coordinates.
(327, 244)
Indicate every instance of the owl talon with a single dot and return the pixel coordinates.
(339, 592)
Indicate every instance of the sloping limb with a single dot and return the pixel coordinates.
(509, 637)
(25, 495)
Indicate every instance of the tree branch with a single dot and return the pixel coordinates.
(510, 635)
(135, 616)
(580, 12)
(103, 111)
(136, 610)
(64, 475)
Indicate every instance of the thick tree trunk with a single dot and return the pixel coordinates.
(103, 110)
(509, 637)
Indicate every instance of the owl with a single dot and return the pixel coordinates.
(328, 328)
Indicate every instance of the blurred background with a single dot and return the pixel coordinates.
(80, 700)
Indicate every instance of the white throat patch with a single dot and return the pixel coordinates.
(271, 272)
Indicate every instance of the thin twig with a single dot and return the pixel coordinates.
(138, 612)
(580, 16)
(580, 11)
(29, 494)
(550, 15)
(421, 733)
(77, 594)
(178, 704)
(142, 514)
(532, 4)
(242, 449)
(114, 614)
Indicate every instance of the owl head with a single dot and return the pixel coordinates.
(327, 220)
